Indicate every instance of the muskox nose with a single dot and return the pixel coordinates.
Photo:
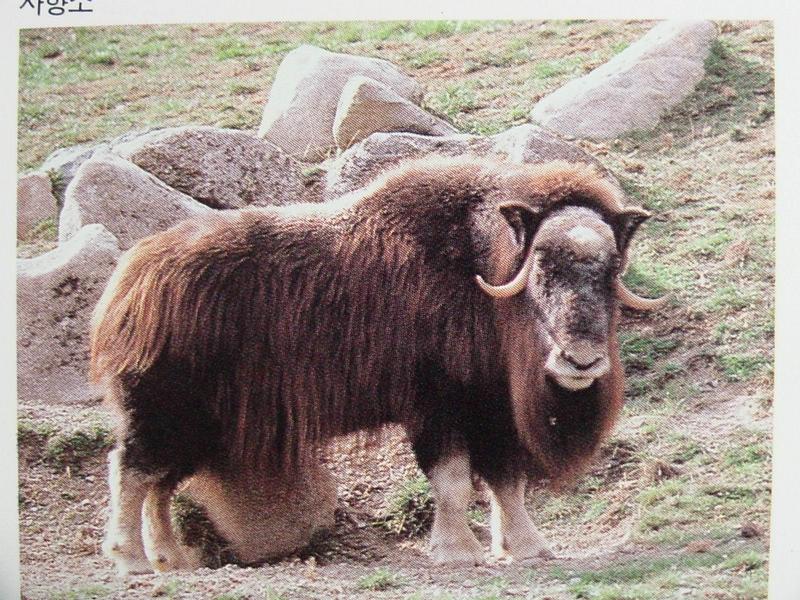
(577, 365)
(582, 362)
(583, 355)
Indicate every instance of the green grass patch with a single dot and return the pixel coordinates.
(85, 592)
(641, 352)
(746, 561)
(729, 297)
(742, 367)
(34, 431)
(453, 101)
(387, 30)
(410, 508)
(639, 570)
(72, 448)
(428, 30)
(233, 47)
(424, 58)
(558, 67)
(712, 245)
(750, 454)
(378, 580)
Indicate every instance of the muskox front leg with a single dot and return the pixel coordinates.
(452, 541)
(123, 542)
(513, 533)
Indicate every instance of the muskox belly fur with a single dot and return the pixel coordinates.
(470, 300)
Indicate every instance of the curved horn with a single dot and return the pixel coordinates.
(631, 300)
(513, 287)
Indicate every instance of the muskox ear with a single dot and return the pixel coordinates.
(522, 219)
(627, 222)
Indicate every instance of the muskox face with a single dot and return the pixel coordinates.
(571, 289)
(568, 283)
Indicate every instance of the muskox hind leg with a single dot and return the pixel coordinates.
(160, 543)
(452, 541)
(123, 542)
(513, 533)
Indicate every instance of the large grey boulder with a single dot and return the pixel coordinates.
(522, 144)
(65, 162)
(56, 293)
(305, 93)
(222, 168)
(127, 200)
(35, 202)
(367, 106)
(633, 89)
(262, 516)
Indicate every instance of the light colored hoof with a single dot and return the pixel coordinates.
(128, 562)
(176, 561)
(469, 554)
(524, 555)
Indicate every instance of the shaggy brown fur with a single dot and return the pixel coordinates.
(256, 335)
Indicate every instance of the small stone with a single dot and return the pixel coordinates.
(751, 530)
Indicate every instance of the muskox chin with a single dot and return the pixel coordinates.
(251, 337)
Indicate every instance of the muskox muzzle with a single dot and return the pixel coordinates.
(577, 365)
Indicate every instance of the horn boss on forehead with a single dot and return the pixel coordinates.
(625, 224)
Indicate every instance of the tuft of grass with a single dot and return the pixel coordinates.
(167, 589)
(453, 101)
(101, 57)
(557, 68)
(86, 592)
(233, 47)
(428, 30)
(273, 594)
(742, 367)
(639, 570)
(746, 561)
(378, 580)
(641, 352)
(411, 508)
(244, 88)
(712, 245)
(72, 448)
(619, 47)
(423, 58)
(388, 30)
(746, 455)
(729, 297)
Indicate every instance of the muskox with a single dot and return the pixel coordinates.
(473, 301)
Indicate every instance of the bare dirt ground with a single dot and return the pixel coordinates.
(677, 503)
